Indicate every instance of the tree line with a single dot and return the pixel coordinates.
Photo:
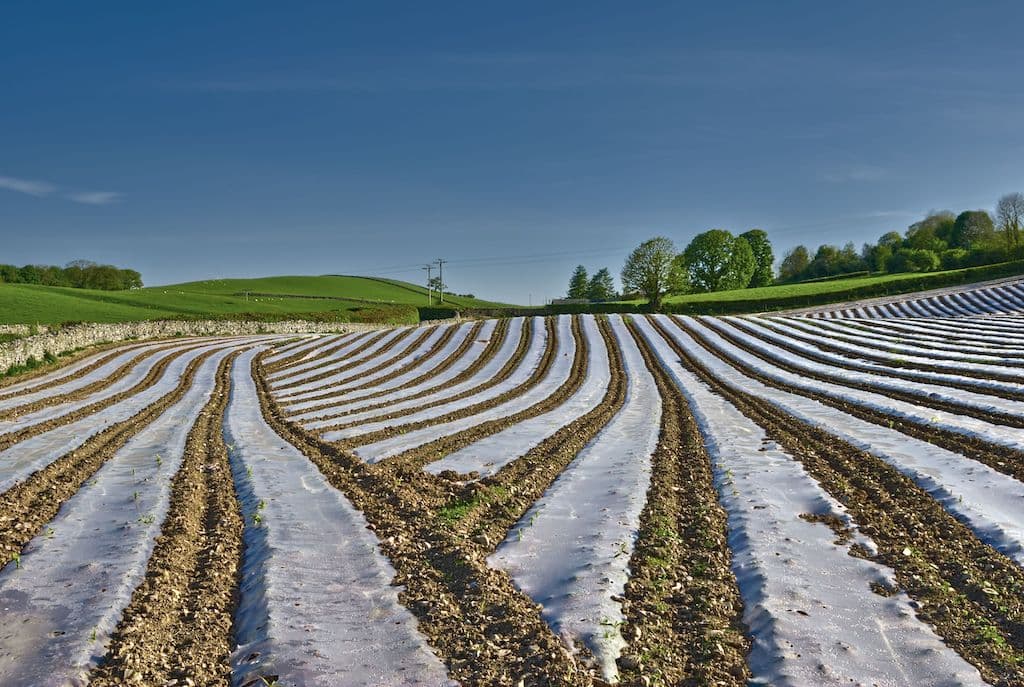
(80, 274)
(717, 260)
(942, 240)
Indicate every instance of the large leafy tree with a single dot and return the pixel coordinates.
(764, 258)
(601, 286)
(932, 233)
(716, 260)
(1010, 215)
(652, 271)
(579, 284)
(973, 229)
(795, 263)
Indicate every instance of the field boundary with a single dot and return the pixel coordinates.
(57, 340)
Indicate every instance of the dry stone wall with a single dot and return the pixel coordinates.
(69, 338)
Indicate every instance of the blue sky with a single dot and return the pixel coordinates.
(192, 140)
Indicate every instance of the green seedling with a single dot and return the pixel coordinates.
(147, 519)
(50, 532)
(16, 557)
(257, 519)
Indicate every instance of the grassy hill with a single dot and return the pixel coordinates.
(334, 298)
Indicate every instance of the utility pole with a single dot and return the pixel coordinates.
(440, 275)
(428, 268)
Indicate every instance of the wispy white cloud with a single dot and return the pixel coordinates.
(32, 188)
(95, 197)
(41, 189)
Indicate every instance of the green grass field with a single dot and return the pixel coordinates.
(807, 294)
(337, 298)
(369, 299)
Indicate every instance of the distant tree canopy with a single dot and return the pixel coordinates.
(578, 283)
(717, 261)
(794, 263)
(941, 240)
(81, 274)
(601, 286)
(973, 229)
(1010, 216)
(764, 257)
(652, 270)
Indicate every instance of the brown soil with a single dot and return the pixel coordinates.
(178, 624)
(513, 362)
(937, 365)
(969, 593)
(1016, 358)
(683, 607)
(917, 398)
(296, 357)
(413, 364)
(487, 632)
(331, 368)
(538, 374)
(115, 348)
(999, 458)
(26, 507)
(455, 356)
(892, 369)
(84, 391)
(155, 374)
(493, 345)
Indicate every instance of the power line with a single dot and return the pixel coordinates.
(440, 278)
(428, 267)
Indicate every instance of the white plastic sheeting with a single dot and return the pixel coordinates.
(405, 352)
(437, 383)
(862, 345)
(522, 372)
(570, 552)
(884, 383)
(305, 347)
(486, 372)
(1001, 435)
(60, 607)
(343, 344)
(947, 331)
(425, 366)
(344, 356)
(808, 342)
(984, 499)
(316, 605)
(66, 371)
(557, 375)
(24, 458)
(489, 455)
(992, 299)
(842, 329)
(134, 376)
(75, 383)
(808, 604)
